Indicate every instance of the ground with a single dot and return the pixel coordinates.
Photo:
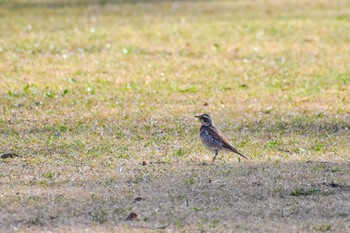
(98, 101)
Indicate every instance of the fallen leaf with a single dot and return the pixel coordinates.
(137, 199)
(131, 216)
(8, 155)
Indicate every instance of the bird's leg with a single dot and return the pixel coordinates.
(216, 153)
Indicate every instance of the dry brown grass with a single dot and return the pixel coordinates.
(288, 196)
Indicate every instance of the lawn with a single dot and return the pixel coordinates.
(98, 97)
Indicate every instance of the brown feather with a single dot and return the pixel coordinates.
(217, 135)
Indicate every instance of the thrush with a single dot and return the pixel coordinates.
(212, 138)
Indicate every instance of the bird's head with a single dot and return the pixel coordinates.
(205, 119)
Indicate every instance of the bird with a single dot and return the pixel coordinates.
(212, 138)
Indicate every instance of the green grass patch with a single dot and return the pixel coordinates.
(323, 228)
(304, 192)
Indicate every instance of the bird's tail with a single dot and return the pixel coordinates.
(237, 152)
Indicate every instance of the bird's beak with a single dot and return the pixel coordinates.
(198, 117)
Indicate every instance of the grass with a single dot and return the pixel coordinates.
(98, 97)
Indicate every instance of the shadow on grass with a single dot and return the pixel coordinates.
(300, 124)
(247, 195)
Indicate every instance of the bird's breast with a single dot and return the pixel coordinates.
(208, 140)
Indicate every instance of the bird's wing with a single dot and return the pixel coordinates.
(217, 135)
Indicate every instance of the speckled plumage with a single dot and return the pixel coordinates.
(212, 138)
